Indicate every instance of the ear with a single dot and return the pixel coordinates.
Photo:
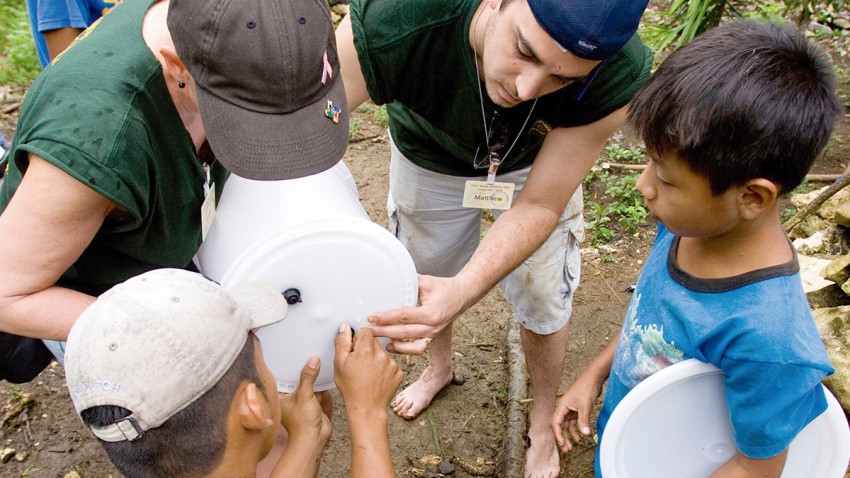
(757, 197)
(253, 408)
(494, 4)
(172, 64)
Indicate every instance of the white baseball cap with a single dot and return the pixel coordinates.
(158, 341)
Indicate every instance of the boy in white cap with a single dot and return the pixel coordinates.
(166, 372)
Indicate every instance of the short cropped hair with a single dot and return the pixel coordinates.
(189, 444)
(744, 100)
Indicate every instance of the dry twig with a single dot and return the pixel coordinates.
(813, 206)
(10, 108)
(617, 296)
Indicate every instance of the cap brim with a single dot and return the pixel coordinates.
(265, 304)
(266, 146)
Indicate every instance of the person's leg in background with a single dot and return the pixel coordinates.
(540, 291)
(426, 215)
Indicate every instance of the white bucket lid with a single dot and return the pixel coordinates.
(310, 234)
(344, 269)
(675, 424)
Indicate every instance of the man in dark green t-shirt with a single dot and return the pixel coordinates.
(122, 148)
(501, 105)
(120, 151)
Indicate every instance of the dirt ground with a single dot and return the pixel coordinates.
(468, 421)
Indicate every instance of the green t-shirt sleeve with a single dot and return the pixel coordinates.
(111, 184)
(395, 42)
(93, 134)
(97, 160)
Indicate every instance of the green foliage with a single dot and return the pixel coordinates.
(621, 205)
(767, 11)
(823, 11)
(620, 208)
(17, 402)
(382, 116)
(627, 203)
(355, 125)
(635, 154)
(15, 393)
(787, 214)
(18, 59)
(438, 450)
(835, 140)
(370, 114)
(378, 113)
(28, 471)
(843, 89)
(803, 188)
(686, 19)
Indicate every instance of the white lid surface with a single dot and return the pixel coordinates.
(344, 270)
(310, 234)
(675, 424)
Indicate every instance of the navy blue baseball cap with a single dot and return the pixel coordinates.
(590, 29)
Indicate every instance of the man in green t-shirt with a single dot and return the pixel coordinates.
(501, 105)
(121, 149)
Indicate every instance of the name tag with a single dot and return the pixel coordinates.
(485, 195)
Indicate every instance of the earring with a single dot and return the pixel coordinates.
(181, 85)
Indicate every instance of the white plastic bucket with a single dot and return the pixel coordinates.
(675, 424)
(310, 234)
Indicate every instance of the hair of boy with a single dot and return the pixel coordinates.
(189, 444)
(744, 100)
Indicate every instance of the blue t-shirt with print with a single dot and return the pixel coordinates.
(756, 327)
(46, 15)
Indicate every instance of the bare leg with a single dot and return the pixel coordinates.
(545, 361)
(417, 396)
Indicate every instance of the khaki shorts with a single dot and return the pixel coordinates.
(57, 348)
(426, 215)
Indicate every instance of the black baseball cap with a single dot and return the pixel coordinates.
(268, 82)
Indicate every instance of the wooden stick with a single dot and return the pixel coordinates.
(813, 206)
(10, 108)
(515, 443)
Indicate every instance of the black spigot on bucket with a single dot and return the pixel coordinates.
(292, 296)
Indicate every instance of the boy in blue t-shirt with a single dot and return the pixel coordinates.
(731, 121)
(56, 23)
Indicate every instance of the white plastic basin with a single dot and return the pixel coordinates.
(310, 234)
(675, 424)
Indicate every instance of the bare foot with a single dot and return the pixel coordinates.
(541, 458)
(412, 400)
